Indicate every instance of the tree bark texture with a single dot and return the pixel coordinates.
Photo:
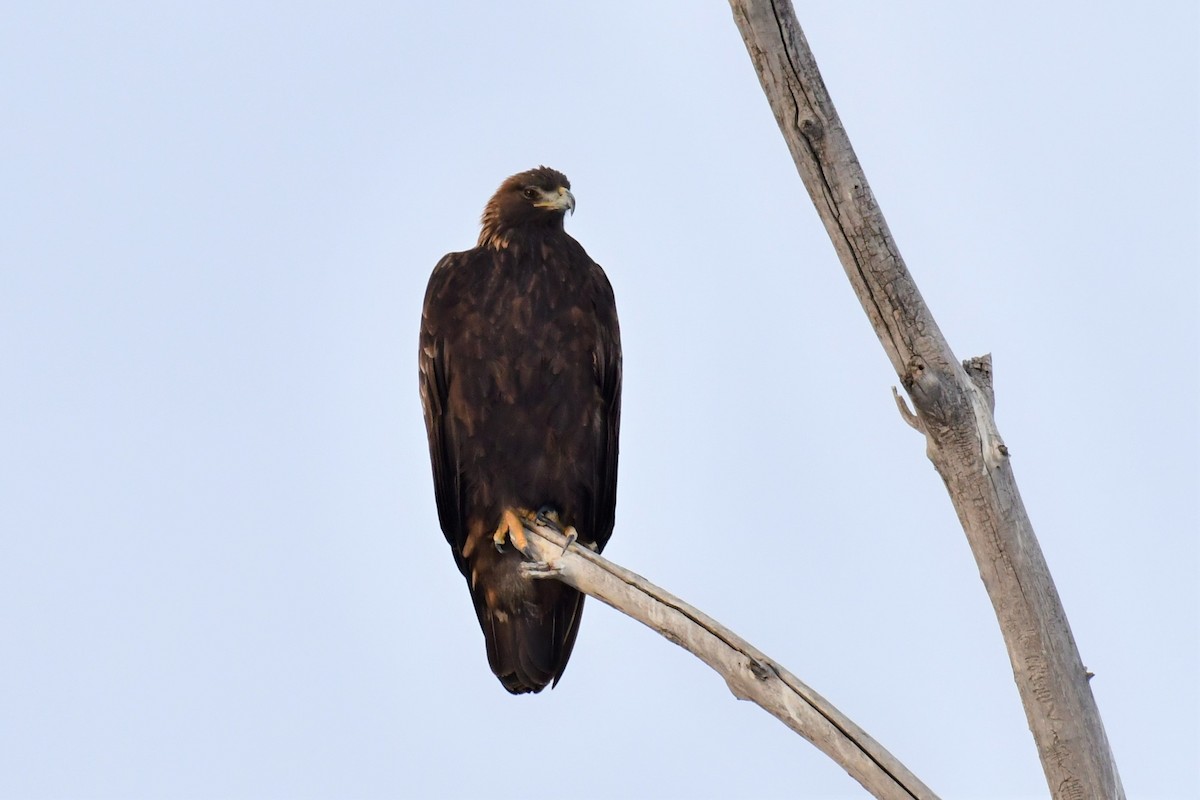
(750, 674)
(954, 409)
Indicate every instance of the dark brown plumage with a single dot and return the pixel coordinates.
(521, 384)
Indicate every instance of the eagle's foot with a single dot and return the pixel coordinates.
(547, 516)
(539, 570)
(512, 529)
(572, 537)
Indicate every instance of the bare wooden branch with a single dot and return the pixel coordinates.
(954, 410)
(750, 674)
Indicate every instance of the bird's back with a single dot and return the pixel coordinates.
(528, 339)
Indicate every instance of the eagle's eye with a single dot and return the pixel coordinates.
(530, 193)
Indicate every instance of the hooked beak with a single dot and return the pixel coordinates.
(563, 200)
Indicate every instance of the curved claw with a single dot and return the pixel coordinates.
(547, 516)
(572, 537)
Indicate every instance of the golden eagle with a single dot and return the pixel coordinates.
(521, 384)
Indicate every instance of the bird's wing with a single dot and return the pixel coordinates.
(607, 362)
(434, 363)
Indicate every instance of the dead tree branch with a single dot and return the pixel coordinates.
(953, 409)
(749, 674)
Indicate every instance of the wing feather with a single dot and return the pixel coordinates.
(607, 360)
(434, 363)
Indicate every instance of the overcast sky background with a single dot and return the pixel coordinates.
(221, 573)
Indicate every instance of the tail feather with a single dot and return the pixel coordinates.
(529, 625)
(528, 650)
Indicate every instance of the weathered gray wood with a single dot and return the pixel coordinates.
(749, 674)
(952, 410)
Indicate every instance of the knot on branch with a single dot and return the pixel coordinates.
(923, 384)
(812, 129)
(763, 670)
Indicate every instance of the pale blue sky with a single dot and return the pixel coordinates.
(220, 569)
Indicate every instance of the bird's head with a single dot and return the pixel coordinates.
(534, 200)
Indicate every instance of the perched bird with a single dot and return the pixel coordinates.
(520, 363)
